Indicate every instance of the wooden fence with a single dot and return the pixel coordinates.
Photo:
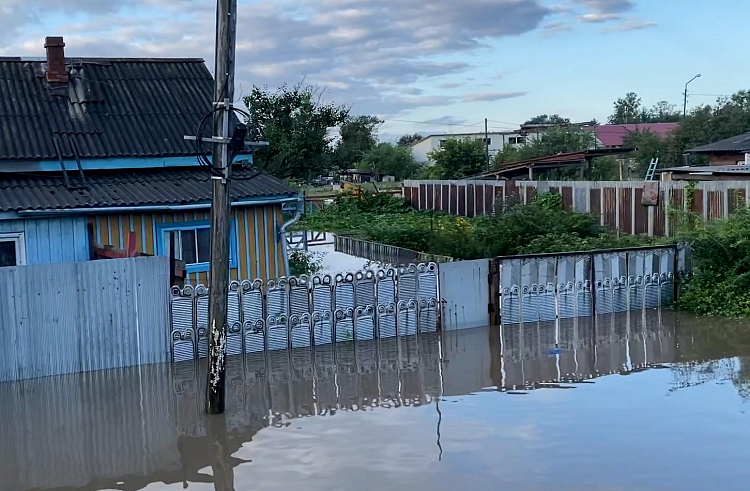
(616, 203)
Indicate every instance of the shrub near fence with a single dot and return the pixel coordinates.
(616, 203)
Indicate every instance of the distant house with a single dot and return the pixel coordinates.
(496, 141)
(730, 151)
(92, 155)
(614, 135)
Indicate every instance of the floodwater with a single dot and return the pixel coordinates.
(641, 402)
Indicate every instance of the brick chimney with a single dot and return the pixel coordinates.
(56, 73)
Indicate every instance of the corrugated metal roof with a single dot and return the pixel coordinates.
(113, 108)
(132, 188)
(614, 135)
(739, 143)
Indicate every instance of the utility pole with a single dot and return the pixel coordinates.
(226, 33)
(486, 146)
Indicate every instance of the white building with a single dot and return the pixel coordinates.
(497, 141)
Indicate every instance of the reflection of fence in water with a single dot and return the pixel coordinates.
(546, 287)
(576, 349)
(300, 312)
(387, 373)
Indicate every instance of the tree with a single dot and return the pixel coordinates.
(648, 146)
(553, 141)
(458, 158)
(295, 122)
(548, 119)
(664, 112)
(358, 136)
(389, 160)
(409, 140)
(628, 109)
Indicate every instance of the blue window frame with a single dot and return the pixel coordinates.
(193, 241)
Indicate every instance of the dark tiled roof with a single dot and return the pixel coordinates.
(132, 188)
(739, 143)
(111, 108)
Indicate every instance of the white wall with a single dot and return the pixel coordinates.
(498, 141)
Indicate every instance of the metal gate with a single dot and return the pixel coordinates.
(547, 287)
(299, 312)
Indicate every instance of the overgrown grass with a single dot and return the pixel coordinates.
(517, 229)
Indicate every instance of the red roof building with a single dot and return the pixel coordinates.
(613, 135)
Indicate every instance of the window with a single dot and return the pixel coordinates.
(192, 241)
(487, 141)
(516, 140)
(442, 142)
(12, 249)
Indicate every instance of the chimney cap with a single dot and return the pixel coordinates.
(54, 42)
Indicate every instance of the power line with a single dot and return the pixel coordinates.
(434, 123)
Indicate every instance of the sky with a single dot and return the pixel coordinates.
(428, 66)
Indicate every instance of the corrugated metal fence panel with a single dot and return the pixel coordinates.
(618, 203)
(73, 317)
(465, 294)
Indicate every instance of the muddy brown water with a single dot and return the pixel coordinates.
(632, 402)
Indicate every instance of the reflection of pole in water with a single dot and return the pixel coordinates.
(440, 395)
(221, 453)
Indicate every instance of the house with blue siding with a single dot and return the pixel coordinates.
(93, 157)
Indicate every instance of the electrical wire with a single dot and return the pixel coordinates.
(202, 155)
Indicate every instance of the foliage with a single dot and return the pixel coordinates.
(704, 124)
(295, 122)
(548, 119)
(458, 158)
(358, 136)
(541, 227)
(629, 110)
(386, 159)
(409, 140)
(720, 284)
(305, 262)
(649, 146)
(554, 140)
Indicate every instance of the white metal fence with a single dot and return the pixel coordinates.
(300, 311)
(79, 317)
(563, 286)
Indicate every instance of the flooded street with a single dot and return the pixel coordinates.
(641, 402)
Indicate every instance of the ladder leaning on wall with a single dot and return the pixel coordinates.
(652, 169)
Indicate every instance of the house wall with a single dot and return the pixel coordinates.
(498, 141)
(51, 240)
(726, 159)
(259, 254)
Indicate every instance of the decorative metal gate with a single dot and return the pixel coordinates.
(300, 311)
(548, 287)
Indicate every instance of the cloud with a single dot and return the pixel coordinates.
(491, 96)
(450, 85)
(606, 6)
(445, 120)
(631, 25)
(597, 18)
(557, 27)
(361, 51)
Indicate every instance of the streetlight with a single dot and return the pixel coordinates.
(684, 106)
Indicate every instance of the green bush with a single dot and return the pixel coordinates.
(517, 229)
(720, 284)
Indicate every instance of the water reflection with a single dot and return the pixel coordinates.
(129, 429)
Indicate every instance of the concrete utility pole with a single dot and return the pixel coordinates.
(226, 33)
(486, 146)
(684, 105)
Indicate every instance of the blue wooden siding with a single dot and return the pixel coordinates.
(52, 240)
